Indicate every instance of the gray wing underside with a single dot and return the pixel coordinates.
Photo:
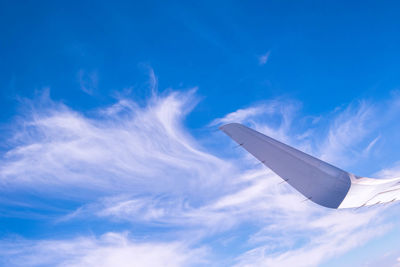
(317, 180)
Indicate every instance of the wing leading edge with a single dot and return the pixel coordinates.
(317, 180)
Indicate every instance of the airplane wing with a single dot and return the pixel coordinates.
(317, 180)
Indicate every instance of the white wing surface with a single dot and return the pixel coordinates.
(317, 180)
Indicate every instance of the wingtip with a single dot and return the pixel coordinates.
(222, 127)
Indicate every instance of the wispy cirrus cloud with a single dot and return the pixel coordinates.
(115, 151)
(263, 59)
(391, 171)
(139, 164)
(110, 249)
(88, 81)
(273, 117)
(349, 128)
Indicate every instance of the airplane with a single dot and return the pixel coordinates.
(319, 181)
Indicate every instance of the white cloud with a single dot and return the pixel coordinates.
(371, 144)
(313, 253)
(135, 163)
(153, 81)
(111, 249)
(255, 195)
(349, 128)
(273, 117)
(390, 172)
(356, 130)
(241, 115)
(263, 59)
(126, 148)
(88, 81)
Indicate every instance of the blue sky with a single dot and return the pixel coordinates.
(109, 149)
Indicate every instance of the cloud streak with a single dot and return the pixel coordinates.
(110, 249)
(263, 59)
